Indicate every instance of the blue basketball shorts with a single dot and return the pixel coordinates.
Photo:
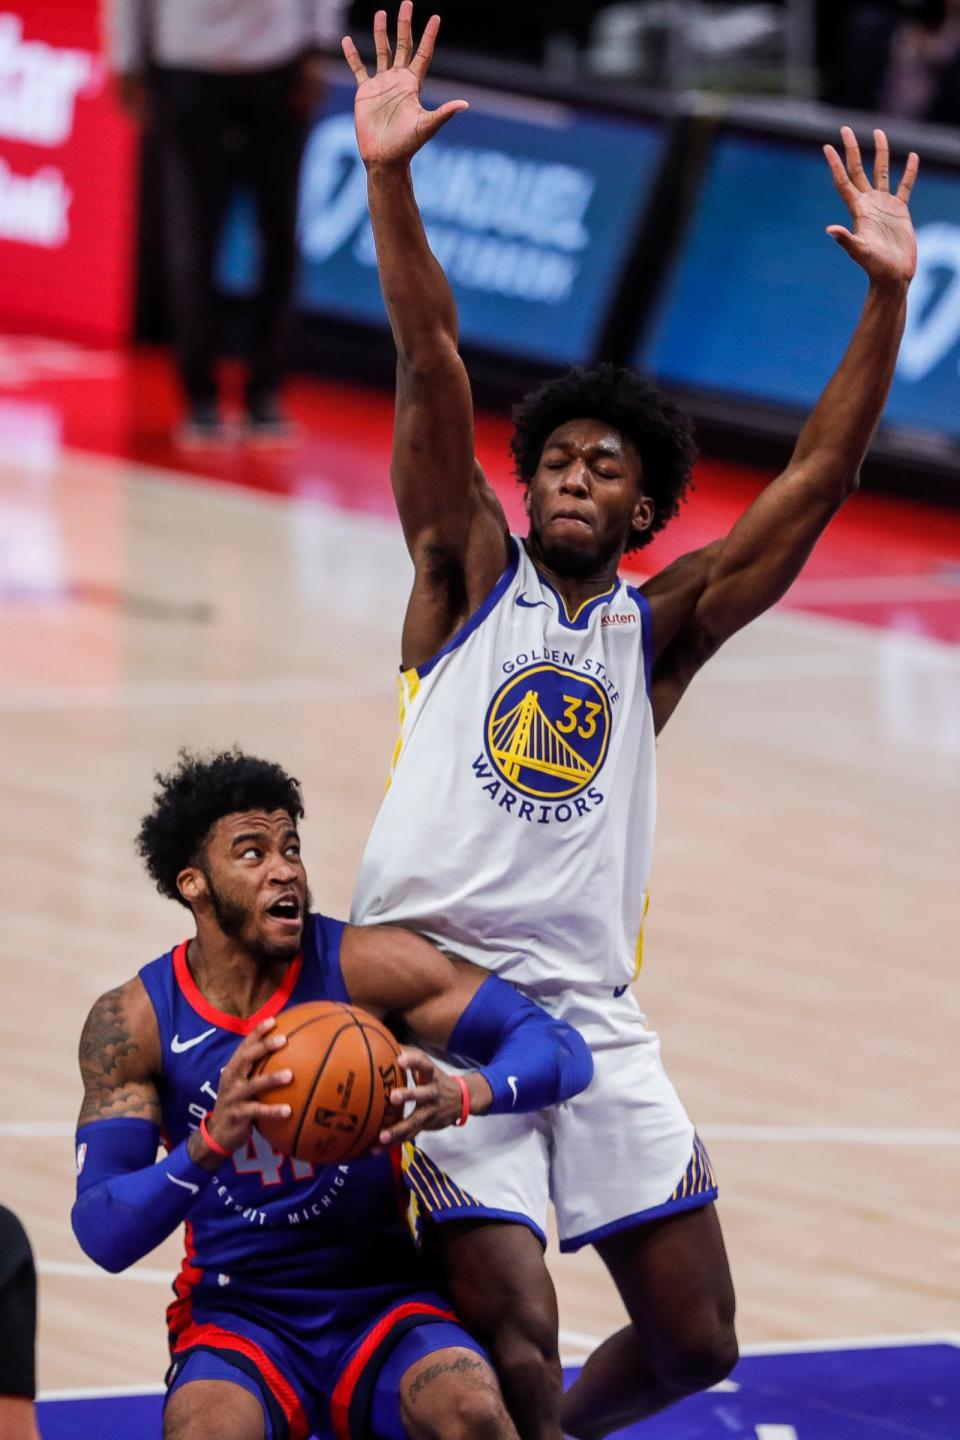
(309, 1381)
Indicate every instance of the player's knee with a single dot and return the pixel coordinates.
(204, 1410)
(463, 1403)
(478, 1415)
(702, 1356)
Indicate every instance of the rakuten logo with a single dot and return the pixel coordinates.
(933, 311)
(39, 86)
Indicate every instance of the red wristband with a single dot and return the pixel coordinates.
(215, 1145)
(465, 1105)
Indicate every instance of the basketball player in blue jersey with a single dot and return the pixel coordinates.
(301, 1307)
(518, 825)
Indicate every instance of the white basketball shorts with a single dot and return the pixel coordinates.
(620, 1153)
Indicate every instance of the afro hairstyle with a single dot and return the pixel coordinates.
(660, 430)
(194, 795)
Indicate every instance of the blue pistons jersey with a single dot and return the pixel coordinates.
(269, 1224)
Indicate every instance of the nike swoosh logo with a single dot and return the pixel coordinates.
(185, 1184)
(512, 1082)
(178, 1046)
(529, 604)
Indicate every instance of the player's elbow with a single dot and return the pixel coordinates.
(100, 1240)
(576, 1064)
(841, 480)
(429, 357)
(831, 477)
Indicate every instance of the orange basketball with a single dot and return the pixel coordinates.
(344, 1065)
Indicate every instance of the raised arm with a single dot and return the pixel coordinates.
(453, 524)
(526, 1059)
(705, 597)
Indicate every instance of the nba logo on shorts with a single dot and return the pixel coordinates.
(81, 1155)
(547, 731)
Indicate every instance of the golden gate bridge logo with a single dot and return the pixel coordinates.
(547, 731)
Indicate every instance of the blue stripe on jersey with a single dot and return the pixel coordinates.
(580, 618)
(481, 612)
(698, 1178)
(646, 624)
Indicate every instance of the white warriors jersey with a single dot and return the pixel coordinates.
(518, 823)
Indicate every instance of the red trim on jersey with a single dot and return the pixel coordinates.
(347, 1384)
(236, 1023)
(399, 1184)
(280, 1387)
(180, 1311)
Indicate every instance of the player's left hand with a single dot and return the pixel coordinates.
(883, 241)
(437, 1098)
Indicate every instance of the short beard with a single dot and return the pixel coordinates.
(567, 560)
(233, 919)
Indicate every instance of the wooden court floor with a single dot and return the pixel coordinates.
(800, 964)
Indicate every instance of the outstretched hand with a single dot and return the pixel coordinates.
(391, 123)
(883, 241)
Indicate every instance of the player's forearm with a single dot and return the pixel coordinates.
(127, 1202)
(529, 1059)
(416, 292)
(833, 442)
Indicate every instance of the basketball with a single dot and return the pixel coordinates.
(344, 1064)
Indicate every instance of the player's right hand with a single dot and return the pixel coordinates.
(391, 123)
(238, 1108)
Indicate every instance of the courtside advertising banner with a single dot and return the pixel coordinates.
(761, 302)
(66, 176)
(532, 209)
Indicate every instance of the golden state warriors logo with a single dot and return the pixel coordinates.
(547, 731)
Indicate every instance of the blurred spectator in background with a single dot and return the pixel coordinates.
(18, 1330)
(536, 32)
(901, 58)
(231, 86)
(489, 27)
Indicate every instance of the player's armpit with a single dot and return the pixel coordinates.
(120, 1057)
(457, 562)
(674, 594)
(677, 666)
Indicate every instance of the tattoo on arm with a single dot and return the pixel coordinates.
(110, 1059)
(469, 1367)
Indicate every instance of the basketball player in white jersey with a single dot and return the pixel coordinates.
(518, 825)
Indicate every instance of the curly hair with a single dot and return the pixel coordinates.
(660, 430)
(194, 795)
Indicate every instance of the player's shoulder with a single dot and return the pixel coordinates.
(127, 998)
(122, 1021)
(674, 592)
(323, 933)
(683, 573)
